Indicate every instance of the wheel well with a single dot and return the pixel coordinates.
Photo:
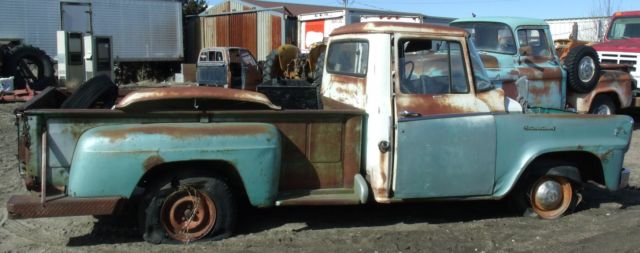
(588, 164)
(220, 169)
(613, 96)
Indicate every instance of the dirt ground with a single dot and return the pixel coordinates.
(604, 222)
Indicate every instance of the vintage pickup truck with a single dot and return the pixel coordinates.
(416, 120)
(519, 56)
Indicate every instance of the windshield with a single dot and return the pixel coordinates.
(479, 73)
(490, 37)
(624, 28)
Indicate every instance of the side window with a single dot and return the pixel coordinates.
(536, 40)
(247, 59)
(348, 58)
(203, 56)
(432, 67)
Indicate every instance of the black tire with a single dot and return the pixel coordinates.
(97, 89)
(28, 56)
(572, 65)
(523, 202)
(317, 73)
(602, 105)
(151, 216)
(271, 68)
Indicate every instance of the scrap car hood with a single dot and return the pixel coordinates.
(631, 45)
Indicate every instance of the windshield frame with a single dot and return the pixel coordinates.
(612, 28)
(479, 72)
(464, 25)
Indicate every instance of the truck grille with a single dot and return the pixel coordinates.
(630, 59)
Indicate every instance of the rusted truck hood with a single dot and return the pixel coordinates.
(631, 45)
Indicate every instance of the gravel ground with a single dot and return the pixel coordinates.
(605, 222)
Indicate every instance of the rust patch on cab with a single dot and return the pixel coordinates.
(152, 161)
(347, 89)
(397, 27)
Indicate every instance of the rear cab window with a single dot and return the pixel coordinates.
(348, 58)
(210, 56)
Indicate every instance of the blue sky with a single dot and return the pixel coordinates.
(463, 8)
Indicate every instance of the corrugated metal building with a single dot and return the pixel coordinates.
(256, 25)
(142, 30)
(589, 28)
(259, 26)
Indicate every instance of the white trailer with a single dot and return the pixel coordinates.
(589, 28)
(315, 27)
(391, 18)
(142, 30)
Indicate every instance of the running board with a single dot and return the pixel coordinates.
(318, 198)
(333, 196)
(26, 206)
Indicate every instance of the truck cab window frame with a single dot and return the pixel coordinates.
(536, 39)
(348, 57)
(428, 66)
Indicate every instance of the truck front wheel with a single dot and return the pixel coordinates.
(552, 197)
(187, 209)
(545, 192)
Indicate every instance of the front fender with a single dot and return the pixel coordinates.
(111, 160)
(525, 137)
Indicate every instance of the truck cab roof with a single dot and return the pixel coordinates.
(513, 22)
(396, 27)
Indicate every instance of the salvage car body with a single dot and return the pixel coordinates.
(540, 78)
(229, 67)
(372, 137)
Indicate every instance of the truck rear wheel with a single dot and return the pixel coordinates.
(317, 73)
(181, 209)
(545, 194)
(602, 105)
(583, 68)
(271, 68)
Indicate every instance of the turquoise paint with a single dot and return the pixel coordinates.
(446, 157)
(107, 166)
(508, 67)
(518, 147)
(510, 21)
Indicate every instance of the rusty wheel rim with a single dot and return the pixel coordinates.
(188, 215)
(551, 197)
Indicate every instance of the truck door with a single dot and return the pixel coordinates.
(445, 136)
(544, 84)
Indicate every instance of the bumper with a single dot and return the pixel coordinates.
(624, 178)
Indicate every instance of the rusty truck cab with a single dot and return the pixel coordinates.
(403, 74)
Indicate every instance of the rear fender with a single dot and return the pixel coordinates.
(111, 160)
(618, 84)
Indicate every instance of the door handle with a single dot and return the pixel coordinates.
(408, 114)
